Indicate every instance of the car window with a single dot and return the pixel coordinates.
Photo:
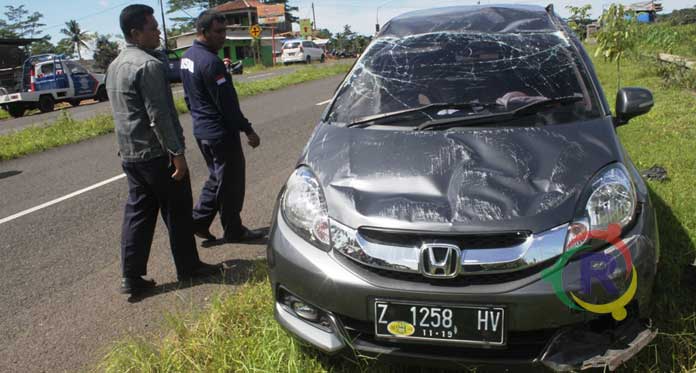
(291, 45)
(314, 45)
(307, 44)
(504, 70)
(75, 68)
(47, 69)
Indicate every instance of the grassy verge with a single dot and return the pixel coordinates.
(4, 114)
(237, 333)
(65, 130)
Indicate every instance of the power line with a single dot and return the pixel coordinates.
(88, 16)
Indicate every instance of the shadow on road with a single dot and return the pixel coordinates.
(221, 241)
(232, 272)
(4, 175)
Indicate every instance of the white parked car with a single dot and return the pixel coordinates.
(301, 51)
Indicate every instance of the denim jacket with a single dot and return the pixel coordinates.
(146, 121)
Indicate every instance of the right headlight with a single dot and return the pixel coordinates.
(304, 208)
(612, 200)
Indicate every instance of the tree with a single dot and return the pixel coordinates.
(65, 46)
(617, 35)
(579, 19)
(43, 46)
(324, 34)
(105, 52)
(76, 35)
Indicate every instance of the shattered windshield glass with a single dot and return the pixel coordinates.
(479, 73)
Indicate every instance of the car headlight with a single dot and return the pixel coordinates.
(304, 208)
(612, 200)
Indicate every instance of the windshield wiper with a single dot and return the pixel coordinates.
(531, 108)
(439, 105)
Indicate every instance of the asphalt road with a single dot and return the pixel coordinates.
(60, 271)
(90, 108)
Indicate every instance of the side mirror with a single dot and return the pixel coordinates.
(632, 102)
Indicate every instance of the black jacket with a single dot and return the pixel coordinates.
(210, 95)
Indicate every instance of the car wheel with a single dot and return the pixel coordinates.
(102, 95)
(46, 103)
(16, 111)
(322, 59)
(308, 60)
(74, 102)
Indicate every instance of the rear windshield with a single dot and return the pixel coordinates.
(291, 45)
(503, 70)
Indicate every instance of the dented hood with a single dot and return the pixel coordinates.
(465, 180)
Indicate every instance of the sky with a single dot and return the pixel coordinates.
(102, 15)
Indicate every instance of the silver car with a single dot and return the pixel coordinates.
(465, 198)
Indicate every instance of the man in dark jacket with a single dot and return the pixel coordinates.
(151, 147)
(217, 123)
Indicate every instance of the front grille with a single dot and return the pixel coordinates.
(462, 280)
(464, 241)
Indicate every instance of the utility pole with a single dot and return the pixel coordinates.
(314, 17)
(164, 28)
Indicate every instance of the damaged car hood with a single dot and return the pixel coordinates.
(465, 180)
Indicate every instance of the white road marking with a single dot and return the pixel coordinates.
(260, 75)
(323, 102)
(61, 199)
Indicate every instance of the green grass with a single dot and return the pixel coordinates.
(65, 130)
(237, 333)
(4, 114)
(663, 37)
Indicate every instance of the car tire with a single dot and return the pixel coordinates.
(74, 102)
(308, 61)
(102, 95)
(46, 103)
(322, 59)
(16, 111)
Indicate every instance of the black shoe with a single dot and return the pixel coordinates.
(248, 235)
(205, 235)
(201, 270)
(132, 285)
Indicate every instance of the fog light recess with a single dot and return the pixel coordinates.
(305, 311)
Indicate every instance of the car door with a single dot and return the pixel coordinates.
(83, 81)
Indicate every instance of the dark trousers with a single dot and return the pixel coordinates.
(223, 192)
(151, 189)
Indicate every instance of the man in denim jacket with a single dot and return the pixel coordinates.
(151, 146)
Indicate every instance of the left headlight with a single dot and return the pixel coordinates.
(610, 199)
(304, 208)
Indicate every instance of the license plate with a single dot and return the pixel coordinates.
(444, 323)
(291, 54)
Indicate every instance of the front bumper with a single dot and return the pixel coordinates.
(346, 292)
(295, 58)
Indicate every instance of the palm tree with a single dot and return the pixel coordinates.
(76, 36)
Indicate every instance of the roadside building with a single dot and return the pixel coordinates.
(646, 11)
(241, 15)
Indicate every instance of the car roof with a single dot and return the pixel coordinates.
(513, 18)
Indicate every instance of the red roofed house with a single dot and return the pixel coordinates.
(241, 14)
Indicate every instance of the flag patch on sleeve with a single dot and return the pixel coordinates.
(220, 79)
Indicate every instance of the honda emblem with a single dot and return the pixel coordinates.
(439, 260)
